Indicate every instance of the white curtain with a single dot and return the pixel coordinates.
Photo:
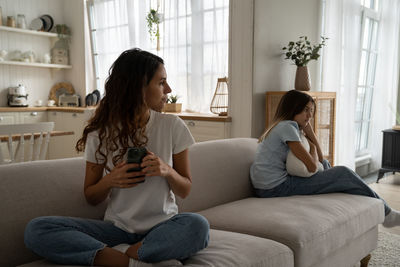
(193, 38)
(340, 69)
(340, 72)
(386, 80)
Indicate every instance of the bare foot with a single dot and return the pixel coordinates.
(132, 251)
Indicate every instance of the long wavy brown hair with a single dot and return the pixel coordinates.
(291, 104)
(119, 118)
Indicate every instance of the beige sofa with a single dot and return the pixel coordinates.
(321, 230)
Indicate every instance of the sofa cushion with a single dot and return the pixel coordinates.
(39, 188)
(230, 249)
(219, 166)
(312, 226)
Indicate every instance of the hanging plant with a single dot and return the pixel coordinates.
(153, 21)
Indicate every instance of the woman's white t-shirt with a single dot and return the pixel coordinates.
(138, 209)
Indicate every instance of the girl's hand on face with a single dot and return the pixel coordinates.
(154, 166)
(308, 131)
(120, 178)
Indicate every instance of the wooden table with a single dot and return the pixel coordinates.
(17, 137)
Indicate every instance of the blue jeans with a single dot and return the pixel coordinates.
(338, 179)
(75, 241)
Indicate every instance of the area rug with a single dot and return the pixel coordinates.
(387, 254)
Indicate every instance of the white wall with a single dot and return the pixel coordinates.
(74, 18)
(275, 24)
(39, 81)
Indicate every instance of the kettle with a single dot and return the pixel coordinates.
(17, 96)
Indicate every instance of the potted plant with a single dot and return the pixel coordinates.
(172, 105)
(154, 18)
(302, 52)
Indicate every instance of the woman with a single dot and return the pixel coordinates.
(141, 222)
(269, 174)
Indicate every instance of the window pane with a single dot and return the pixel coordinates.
(376, 7)
(363, 69)
(208, 21)
(111, 14)
(182, 67)
(367, 33)
(374, 39)
(208, 4)
(364, 135)
(182, 8)
(221, 24)
(357, 135)
(120, 34)
(371, 69)
(367, 3)
(207, 58)
(220, 3)
(360, 103)
(182, 29)
(367, 104)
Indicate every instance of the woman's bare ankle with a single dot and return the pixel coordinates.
(111, 257)
(132, 251)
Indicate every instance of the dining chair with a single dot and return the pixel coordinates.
(37, 134)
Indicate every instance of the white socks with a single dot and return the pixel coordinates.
(392, 219)
(135, 263)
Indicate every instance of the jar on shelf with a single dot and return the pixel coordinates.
(10, 21)
(21, 22)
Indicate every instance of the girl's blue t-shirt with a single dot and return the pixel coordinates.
(269, 167)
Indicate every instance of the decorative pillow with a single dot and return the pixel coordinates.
(296, 167)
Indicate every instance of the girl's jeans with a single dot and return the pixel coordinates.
(338, 179)
(75, 241)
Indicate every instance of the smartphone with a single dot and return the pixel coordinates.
(136, 155)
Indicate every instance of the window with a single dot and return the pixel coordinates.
(193, 40)
(366, 78)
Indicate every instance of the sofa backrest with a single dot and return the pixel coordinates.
(220, 172)
(39, 188)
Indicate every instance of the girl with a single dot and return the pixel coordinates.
(141, 222)
(268, 172)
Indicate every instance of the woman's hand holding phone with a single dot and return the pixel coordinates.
(154, 166)
(119, 177)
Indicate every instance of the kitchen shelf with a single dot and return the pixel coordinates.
(41, 65)
(25, 31)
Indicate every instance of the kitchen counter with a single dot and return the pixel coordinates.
(182, 115)
(29, 109)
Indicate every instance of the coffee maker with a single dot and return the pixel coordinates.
(17, 96)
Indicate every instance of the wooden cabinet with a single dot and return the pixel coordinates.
(32, 117)
(208, 130)
(8, 117)
(64, 146)
(323, 121)
(23, 117)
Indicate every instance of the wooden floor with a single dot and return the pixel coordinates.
(388, 188)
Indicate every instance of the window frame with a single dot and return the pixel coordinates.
(362, 135)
